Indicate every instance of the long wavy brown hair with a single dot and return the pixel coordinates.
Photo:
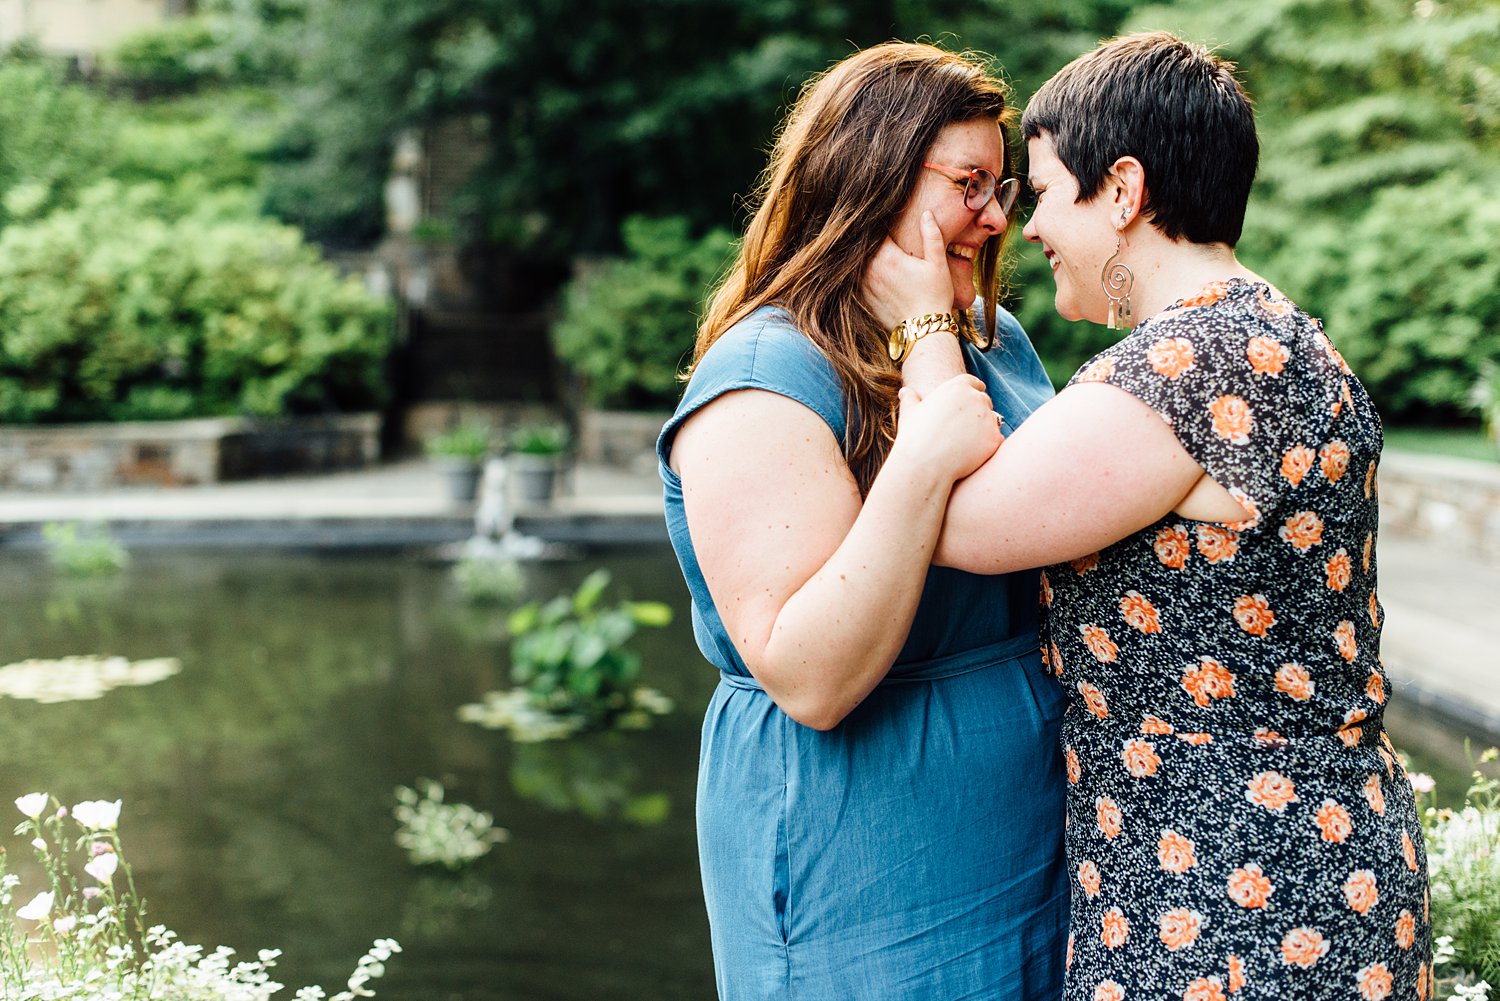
(842, 170)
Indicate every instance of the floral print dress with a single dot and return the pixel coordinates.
(1238, 823)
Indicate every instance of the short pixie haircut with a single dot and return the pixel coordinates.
(1175, 107)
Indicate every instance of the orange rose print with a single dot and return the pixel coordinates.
(1218, 545)
(1236, 974)
(1100, 370)
(1172, 547)
(1374, 795)
(1249, 887)
(1294, 680)
(1409, 851)
(1360, 892)
(1422, 982)
(1343, 640)
(1333, 820)
(1207, 296)
(1251, 508)
(1232, 419)
(1390, 762)
(1302, 531)
(1274, 305)
(1207, 680)
(1196, 739)
(1175, 852)
(1266, 737)
(1088, 877)
(1108, 990)
(1303, 947)
(1140, 758)
(1204, 989)
(1171, 356)
(1046, 591)
(1374, 982)
(1070, 759)
(1154, 726)
(1254, 614)
(1267, 357)
(1057, 663)
(1374, 611)
(1099, 643)
(1370, 481)
(1340, 569)
(1068, 959)
(1139, 613)
(1333, 459)
(1108, 816)
(1115, 928)
(1350, 732)
(1094, 699)
(1406, 930)
(1375, 688)
(1179, 928)
(1369, 548)
(1295, 464)
(1085, 563)
(1271, 790)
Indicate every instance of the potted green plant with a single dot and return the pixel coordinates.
(1485, 397)
(535, 457)
(459, 455)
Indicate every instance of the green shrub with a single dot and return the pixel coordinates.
(55, 139)
(489, 580)
(172, 57)
(628, 324)
(119, 308)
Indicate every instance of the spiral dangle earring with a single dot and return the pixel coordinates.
(1118, 281)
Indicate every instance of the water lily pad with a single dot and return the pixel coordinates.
(76, 679)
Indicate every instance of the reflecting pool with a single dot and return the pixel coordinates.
(258, 781)
(258, 778)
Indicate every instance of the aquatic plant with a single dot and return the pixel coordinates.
(572, 670)
(489, 580)
(75, 679)
(1463, 862)
(83, 550)
(85, 936)
(433, 832)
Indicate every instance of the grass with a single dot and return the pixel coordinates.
(1463, 443)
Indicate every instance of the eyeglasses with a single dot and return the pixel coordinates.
(980, 185)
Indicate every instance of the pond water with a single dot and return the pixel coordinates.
(258, 782)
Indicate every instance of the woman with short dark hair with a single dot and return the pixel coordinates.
(1203, 496)
(879, 786)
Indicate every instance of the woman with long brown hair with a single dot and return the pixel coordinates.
(880, 786)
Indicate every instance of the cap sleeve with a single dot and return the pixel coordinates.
(763, 351)
(1250, 399)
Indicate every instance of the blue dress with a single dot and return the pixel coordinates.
(914, 851)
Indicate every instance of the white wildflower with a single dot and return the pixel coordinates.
(38, 909)
(97, 815)
(33, 804)
(103, 868)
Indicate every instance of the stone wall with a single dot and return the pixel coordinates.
(87, 457)
(1453, 503)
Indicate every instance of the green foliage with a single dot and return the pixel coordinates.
(119, 309)
(538, 439)
(587, 122)
(1380, 128)
(469, 440)
(1485, 396)
(432, 832)
(172, 57)
(83, 551)
(628, 324)
(489, 580)
(569, 653)
(1463, 860)
(55, 139)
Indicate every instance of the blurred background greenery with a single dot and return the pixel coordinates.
(613, 143)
